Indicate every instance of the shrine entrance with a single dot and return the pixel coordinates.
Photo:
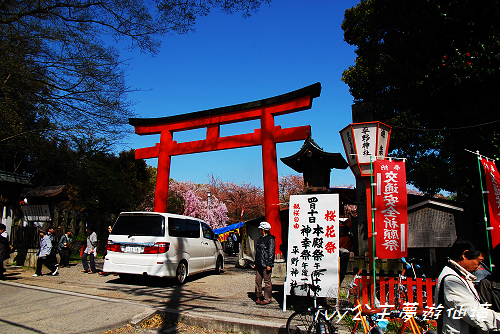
(267, 136)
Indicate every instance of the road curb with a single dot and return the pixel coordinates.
(221, 323)
(147, 314)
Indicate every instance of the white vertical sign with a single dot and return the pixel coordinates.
(313, 241)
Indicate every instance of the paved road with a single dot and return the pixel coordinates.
(218, 302)
(29, 309)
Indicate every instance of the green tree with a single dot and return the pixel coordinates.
(106, 183)
(60, 74)
(51, 162)
(431, 68)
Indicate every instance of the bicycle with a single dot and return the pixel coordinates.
(361, 316)
(394, 304)
(415, 322)
(312, 320)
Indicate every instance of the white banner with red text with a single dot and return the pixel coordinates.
(390, 203)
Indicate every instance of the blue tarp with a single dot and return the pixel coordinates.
(228, 228)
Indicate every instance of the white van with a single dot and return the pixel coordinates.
(161, 244)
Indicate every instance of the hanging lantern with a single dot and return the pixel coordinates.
(365, 142)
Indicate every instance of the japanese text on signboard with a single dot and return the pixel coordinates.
(493, 186)
(391, 219)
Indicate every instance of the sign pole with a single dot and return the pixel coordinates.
(371, 200)
(484, 208)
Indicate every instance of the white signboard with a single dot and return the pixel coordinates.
(313, 241)
(36, 213)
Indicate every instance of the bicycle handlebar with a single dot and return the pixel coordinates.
(409, 262)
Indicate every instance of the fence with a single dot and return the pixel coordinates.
(417, 290)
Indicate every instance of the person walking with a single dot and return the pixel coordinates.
(64, 248)
(90, 252)
(4, 250)
(53, 240)
(264, 263)
(44, 255)
(455, 291)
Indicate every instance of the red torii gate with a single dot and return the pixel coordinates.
(267, 136)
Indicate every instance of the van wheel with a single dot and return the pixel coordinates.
(181, 273)
(218, 266)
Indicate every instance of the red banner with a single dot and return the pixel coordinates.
(493, 186)
(391, 218)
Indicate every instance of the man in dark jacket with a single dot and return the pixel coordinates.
(489, 286)
(264, 263)
(64, 248)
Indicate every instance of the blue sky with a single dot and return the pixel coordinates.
(231, 60)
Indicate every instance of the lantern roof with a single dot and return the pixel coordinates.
(311, 155)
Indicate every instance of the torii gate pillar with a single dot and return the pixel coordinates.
(270, 173)
(267, 136)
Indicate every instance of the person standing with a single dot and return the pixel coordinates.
(110, 228)
(237, 240)
(90, 252)
(230, 244)
(44, 255)
(264, 263)
(64, 248)
(4, 250)
(53, 239)
(345, 248)
(455, 290)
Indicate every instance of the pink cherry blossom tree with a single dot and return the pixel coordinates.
(214, 214)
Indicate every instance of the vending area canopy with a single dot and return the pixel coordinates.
(228, 228)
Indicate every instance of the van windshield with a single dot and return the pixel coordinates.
(140, 225)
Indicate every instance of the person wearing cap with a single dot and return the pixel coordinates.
(44, 255)
(264, 263)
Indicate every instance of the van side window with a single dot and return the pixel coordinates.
(183, 228)
(193, 228)
(207, 232)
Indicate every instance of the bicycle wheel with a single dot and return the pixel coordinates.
(303, 322)
(324, 326)
(398, 299)
(376, 330)
(300, 322)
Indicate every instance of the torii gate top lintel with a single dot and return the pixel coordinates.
(311, 91)
(267, 136)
